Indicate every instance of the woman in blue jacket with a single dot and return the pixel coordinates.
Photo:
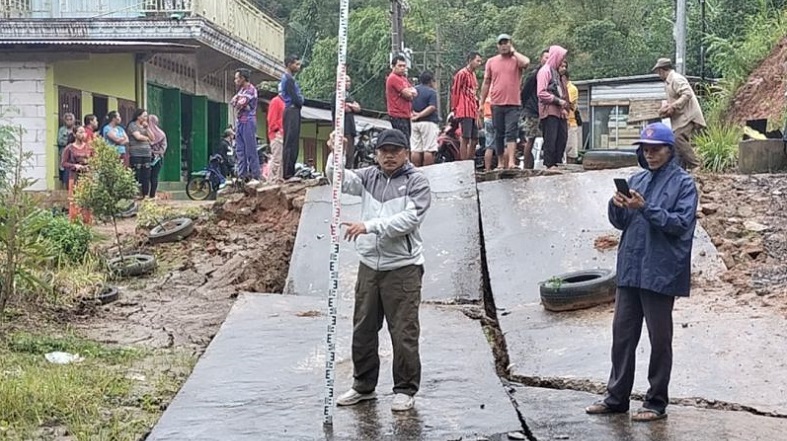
(653, 268)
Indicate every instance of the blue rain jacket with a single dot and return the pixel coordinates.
(655, 247)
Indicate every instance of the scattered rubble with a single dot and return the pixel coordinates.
(746, 218)
(606, 242)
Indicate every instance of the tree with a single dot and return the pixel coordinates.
(106, 183)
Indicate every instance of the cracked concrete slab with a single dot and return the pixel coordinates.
(262, 378)
(450, 232)
(559, 415)
(537, 228)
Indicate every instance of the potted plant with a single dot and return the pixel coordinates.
(101, 189)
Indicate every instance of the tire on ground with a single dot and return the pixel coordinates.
(171, 231)
(107, 294)
(132, 265)
(607, 159)
(578, 290)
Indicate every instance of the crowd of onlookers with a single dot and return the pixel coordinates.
(140, 145)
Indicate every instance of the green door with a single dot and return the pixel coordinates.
(171, 123)
(199, 133)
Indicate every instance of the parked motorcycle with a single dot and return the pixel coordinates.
(448, 142)
(364, 148)
(205, 183)
(306, 171)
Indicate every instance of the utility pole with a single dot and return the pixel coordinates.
(702, 42)
(680, 37)
(397, 28)
(438, 71)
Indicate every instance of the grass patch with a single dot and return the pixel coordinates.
(86, 398)
(718, 147)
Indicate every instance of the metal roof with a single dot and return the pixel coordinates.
(157, 44)
(630, 79)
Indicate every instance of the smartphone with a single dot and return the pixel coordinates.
(623, 187)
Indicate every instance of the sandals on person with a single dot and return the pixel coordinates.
(601, 408)
(645, 415)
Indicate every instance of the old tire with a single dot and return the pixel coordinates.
(132, 265)
(172, 230)
(107, 294)
(130, 211)
(578, 290)
(607, 159)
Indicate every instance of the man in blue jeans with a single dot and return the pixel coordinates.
(654, 267)
(245, 105)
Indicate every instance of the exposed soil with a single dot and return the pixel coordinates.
(762, 96)
(746, 219)
(245, 245)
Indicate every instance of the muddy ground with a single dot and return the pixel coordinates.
(242, 244)
(245, 242)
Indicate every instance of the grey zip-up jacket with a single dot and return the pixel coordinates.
(392, 210)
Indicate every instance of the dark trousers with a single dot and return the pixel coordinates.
(555, 138)
(349, 152)
(141, 167)
(246, 149)
(394, 296)
(154, 172)
(404, 125)
(631, 306)
(292, 136)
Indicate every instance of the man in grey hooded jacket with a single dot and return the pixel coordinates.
(394, 199)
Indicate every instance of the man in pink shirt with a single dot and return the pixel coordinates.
(502, 79)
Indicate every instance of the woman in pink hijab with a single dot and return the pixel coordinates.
(158, 146)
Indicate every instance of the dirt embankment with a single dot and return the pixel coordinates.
(245, 245)
(746, 217)
(762, 96)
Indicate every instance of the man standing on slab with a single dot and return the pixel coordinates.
(290, 92)
(465, 105)
(684, 111)
(399, 95)
(502, 79)
(657, 219)
(395, 197)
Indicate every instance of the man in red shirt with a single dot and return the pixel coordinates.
(464, 104)
(399, 94)
(502, 79)
(276, 137)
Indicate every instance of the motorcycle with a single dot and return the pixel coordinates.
(448, 142)
(306, 171)
(205, 183)
(364, 148)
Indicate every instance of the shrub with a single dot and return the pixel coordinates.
(718, 147)
(70, 241)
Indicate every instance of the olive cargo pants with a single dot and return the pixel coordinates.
(394, 296)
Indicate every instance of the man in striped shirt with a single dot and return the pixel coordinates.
(464, 104)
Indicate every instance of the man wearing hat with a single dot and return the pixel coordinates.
(684, 111)
(653, 268)
(394, 199)
(502, 80)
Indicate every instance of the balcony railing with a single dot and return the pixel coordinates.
(238, 18)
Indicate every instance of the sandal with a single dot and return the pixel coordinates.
(601, 408)
(644, 415)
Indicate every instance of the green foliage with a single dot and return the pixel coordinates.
(736, 58)
(718, 147)
(106, 183)
(23, 252)
(70, 241)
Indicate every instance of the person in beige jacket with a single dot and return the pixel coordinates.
(683, 110)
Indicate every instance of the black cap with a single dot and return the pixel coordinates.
(392, 137)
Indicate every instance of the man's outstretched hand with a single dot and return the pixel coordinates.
(353, 230)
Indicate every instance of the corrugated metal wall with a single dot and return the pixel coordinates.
(635, 91)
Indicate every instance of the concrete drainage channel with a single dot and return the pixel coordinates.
(496, 338)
